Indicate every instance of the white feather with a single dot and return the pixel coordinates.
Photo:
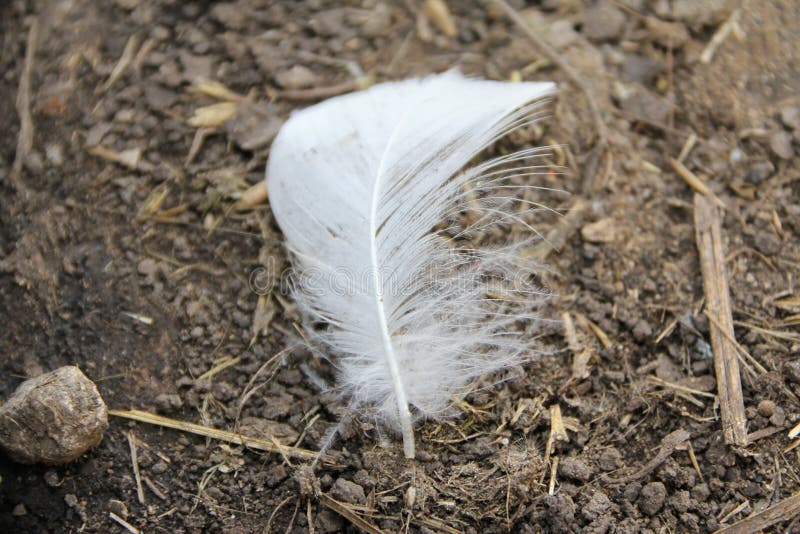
(357, 184)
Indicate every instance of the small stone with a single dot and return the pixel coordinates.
(781, 144)
(97, 132)
(160, 33)
(597, 505)
(196, 67)
(19, 510)
(297, 77)
(699, 14)
(575, 469)
(54, 154)
(169, 74)
(644, 104)
(159, 468)
(610, 459)
(51, 479)
(118, 507)
(766, 408)
(166, 403)
(561, 34)
(74, 422)
(790, 117)
(767, 243)
(668, 34)
(34, 162)
(328, 522)
(346, 491)
(640, 69)
(330, 22)
(230, 15)
(759, 171)
(561, 510)
(792, 371)
(601, 231)
(158, 98)
(603, 22)
(147, 267)
(642, 330)
(378, 21)
(424, 456)
(71, 500)
(681, 501)
(254, 126)
(778, 418)
(701, 492)
(632, 491)
(652, 497)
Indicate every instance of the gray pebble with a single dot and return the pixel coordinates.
(790, 117)
(597, 505)
(759, 171)
(74, 422)
(166, 403)
(575, 469)
(610, 459)
(781, 144)
(118, 507)
(642, 330)
(767, 243)
(640, 69)
(346, 491)
(297, 77)
(603, 22)
(647, 105)
(652, 497)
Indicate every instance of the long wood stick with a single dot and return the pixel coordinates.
(261, 444)
(708, 233)
(784, 510)
(25, 139)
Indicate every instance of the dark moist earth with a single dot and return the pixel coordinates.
(122, 253)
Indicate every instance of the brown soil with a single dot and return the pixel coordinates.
(139, 272)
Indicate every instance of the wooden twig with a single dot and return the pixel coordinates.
(135, 462)
(719, 36)
(580, 354)
(601, 144)
(755, 363)
(558, 432)
(347, 513)
(694, 182)
(122, 65)
(558, 236)
(255, 195)
(668, 445)
(744, 504)
(784, 510)
(551, 488)
(25, 138)
(124, 524)
(223, 435)
(318, 93)
(708, 234)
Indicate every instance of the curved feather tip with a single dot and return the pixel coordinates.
(380, 216)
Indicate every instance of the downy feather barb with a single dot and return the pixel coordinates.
(363, 187)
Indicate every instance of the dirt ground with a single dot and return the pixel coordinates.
(122, 252)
